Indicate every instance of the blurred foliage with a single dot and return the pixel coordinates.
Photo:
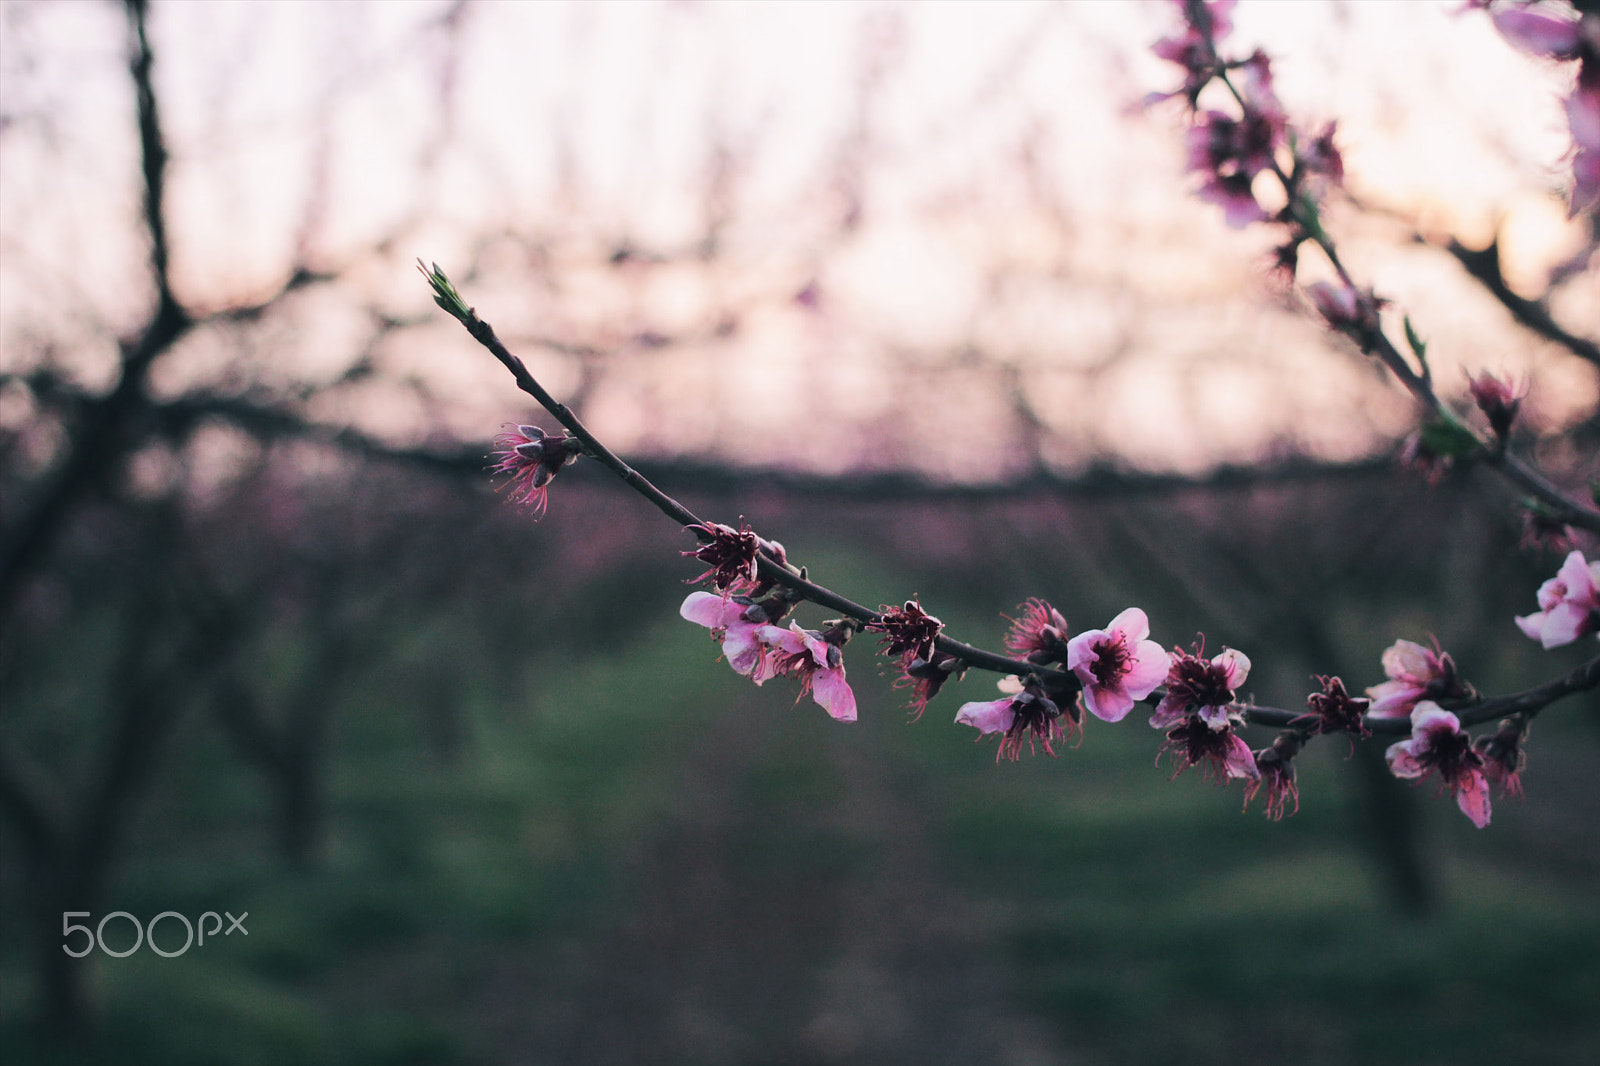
(554, 828)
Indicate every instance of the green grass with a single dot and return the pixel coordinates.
(1145, 919)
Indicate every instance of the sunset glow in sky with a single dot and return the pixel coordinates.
(935, 236)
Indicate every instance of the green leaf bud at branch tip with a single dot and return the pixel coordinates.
(446, 296)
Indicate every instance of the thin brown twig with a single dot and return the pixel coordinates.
(1418, 382)
(1527, 702)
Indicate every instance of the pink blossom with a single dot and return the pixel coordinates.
(1117, 665)
(732, 555)
(1334, 710)
(1195, 48)
(1566, 39)
(1275, 769)
(1569, 604)
(909, 632)
(1040, 635)
(1438, 743)
(1026, 716)
(1583, 118)
(1346, 308)
(1229, 153)
(1415, 673)
(532, 459)
(1537, 33)
(735, 624)
(815, 662)
(1503, 757)
(1498, 400)
(1215, 751)
(1321, 156)
(1204, 689)
(925, 677)
(1219, 143)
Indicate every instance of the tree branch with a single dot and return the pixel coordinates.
(445, 294)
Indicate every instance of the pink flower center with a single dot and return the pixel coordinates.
(1199, 683)
(1111, 661)
(1450, 752)
(1197, 744)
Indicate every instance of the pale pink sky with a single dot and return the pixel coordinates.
(1016, 216)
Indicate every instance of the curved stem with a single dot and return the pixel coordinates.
(1420, 385)
(1527, 702)
(446, 296)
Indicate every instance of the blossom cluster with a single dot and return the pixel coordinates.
(1109, 670)
(1105, 672)
(1230, 150)
(761, 651)
(1566, 36)
(1239, 142)
(1062, 677)
(1569, 604)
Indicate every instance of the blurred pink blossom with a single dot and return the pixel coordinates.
(1275, 769)
(816, 663)
(1569, 604)
(1215, 751)
(1565, 39)
(1025, 717)
(729, 623)
(1503, 757)
(1415, 673)
(1205, 689)
(1438, 743)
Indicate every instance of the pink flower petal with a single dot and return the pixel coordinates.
(991, 716)
(1235, 664)
(1107, 704)
(1240, 760)
(1393, 699)
(1563, 624)
(1539, 34)
(1429, 718)
(711, 611)
(1169, 712)
(1575, 574)
(1131, 624)
(742, 649)
(1532, 625)
(1147, 670)
(1406, 660)
(1403, 761)
(1472, 796)
(812, 643)
(782, 639)
(833, 694)
(1081, 653)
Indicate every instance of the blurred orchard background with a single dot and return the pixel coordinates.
(920, 290)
